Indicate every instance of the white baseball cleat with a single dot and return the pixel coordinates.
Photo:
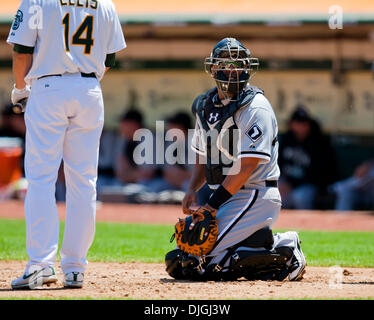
(35, 279)
(74, 280)
(298, 261)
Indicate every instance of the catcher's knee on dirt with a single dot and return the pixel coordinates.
(259, 257)
(181, 266)
(262, 264)
(251, 263)
(173, 265)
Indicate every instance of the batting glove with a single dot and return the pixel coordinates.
(19, 94)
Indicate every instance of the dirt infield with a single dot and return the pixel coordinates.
(150, 281)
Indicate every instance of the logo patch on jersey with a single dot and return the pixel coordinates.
(17, 20)
(254, 133)
(213, 117)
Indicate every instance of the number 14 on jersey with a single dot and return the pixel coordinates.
(78, 38)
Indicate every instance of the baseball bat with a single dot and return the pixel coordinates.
(20, 106)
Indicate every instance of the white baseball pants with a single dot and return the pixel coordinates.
(64, 120)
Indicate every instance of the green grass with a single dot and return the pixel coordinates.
(131, 242)
(117, 242)
(113, 242)
(348, 249)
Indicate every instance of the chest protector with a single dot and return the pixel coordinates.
(220, 133)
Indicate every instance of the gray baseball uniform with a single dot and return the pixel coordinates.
(258, 203)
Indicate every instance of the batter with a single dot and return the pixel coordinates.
(61, 52)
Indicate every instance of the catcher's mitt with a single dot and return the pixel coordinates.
(201, 239)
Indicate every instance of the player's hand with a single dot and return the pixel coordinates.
(19, 94)
(189, 200)
(203, 213)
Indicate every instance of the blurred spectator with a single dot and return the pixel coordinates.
(150, 182)
(177, 175)
(307, 162)
(356, 192)
(126, 170)
(108, 153)
(13, 126)
(13, 185)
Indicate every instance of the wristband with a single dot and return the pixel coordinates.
(20, 91)
(219, 197)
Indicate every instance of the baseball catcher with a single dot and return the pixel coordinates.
(235, 140)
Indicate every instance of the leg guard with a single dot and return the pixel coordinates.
(173, 265)
(261, 265)
(227, 267)
(182, 266)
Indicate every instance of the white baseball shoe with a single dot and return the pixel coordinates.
(298, 261)
(73, 280)
(35, 279)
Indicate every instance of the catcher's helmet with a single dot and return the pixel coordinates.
(231, 66)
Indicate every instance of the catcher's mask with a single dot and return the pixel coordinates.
(231, 66)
